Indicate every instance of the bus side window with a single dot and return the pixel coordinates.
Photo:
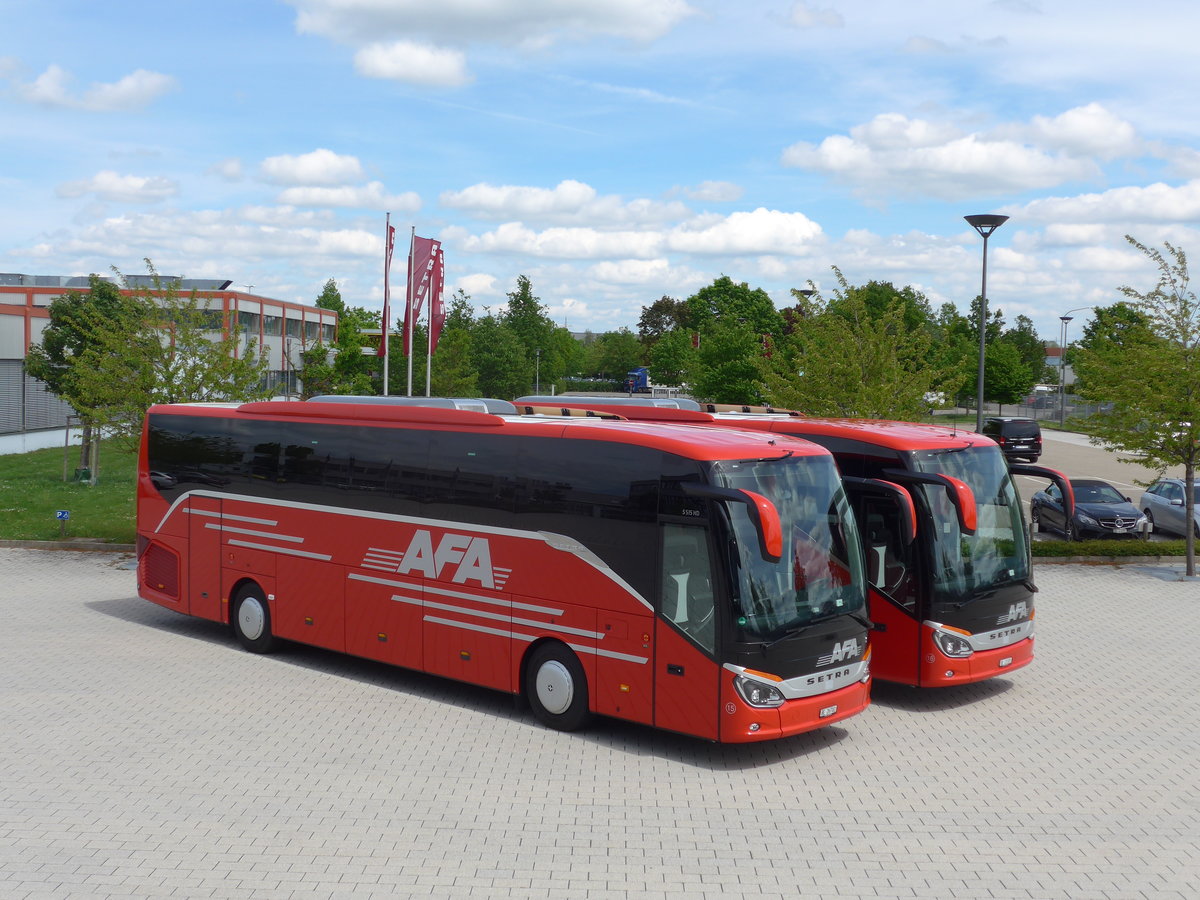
(687, 594)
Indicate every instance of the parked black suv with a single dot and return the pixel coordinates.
(1018, 437)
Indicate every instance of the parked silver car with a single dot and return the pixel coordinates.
(1163, 504)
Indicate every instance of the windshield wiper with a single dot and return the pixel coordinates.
(791, 632)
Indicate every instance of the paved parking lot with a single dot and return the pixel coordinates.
(142, 754)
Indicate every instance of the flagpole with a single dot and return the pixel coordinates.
(429, 329)
(387, 264)
(408, 323)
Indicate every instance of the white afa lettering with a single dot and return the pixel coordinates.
(471, 558)
(419, 555)
(846, 650)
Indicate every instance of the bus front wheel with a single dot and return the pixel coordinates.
(556, 687)
(251, 617)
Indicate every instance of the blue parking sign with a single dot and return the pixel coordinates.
(62, 514)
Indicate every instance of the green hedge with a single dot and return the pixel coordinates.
(1110, 548)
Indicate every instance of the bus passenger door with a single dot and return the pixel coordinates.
(892, 588)
(686, 678)
(204, 557)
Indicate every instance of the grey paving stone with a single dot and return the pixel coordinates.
(142, 754)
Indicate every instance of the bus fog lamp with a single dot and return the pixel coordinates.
(952, 644)
(757, 693)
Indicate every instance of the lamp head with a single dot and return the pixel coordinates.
(987, 223)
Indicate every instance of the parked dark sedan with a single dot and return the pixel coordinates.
(1101, 511)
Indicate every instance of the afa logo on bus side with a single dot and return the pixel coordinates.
(463, 557)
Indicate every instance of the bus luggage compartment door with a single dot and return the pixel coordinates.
(204, 557)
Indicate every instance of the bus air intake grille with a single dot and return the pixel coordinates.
(160, 570)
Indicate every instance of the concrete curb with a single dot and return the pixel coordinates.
(73, 544)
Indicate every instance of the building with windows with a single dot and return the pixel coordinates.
(282, 330)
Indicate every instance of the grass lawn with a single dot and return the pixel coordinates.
(32, 489)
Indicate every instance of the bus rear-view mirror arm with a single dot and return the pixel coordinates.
(1064, 485)
(908, 518)
(763, 514)
(959, 492)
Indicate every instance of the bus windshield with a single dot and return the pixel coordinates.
(820, 575)
(966, 565)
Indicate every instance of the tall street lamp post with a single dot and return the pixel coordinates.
(1062, 365)
(985, 225)
(537, 370)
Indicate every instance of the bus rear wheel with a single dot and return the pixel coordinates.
(556, 687)
(251, 619)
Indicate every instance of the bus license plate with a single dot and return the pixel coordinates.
(830, 710)
(1007, 661)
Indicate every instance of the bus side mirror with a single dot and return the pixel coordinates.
(898, 494)
(958, 491)
(763, 514)
(1061, 480)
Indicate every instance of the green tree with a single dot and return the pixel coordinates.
(331, 298)
(454, 371)
(1023, 337)
(181, 352)
(617, 352)
(672, 357)
(343, 367)
(660, 318)
(102, 316)
(504, 370)
(528, 319)
(1152, 378)
(849, 359)
(726, 367)
(725, 301)
(1006, 379)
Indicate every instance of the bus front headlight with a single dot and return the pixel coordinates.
(757, 693)
(952, 644)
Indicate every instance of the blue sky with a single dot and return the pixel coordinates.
(614, 151)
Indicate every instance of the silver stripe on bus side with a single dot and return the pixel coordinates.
(461, 595)
(291, 539)
(230, 516)
(529, 638)
(463, 611)
(284, 550)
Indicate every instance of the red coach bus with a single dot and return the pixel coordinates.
(709, 583)
(943, 528)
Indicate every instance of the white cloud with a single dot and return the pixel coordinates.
(285, 216)
(368, 196)
(320, 167)
(714, 192)
(479, 284)
(564, 243)
(533, 22)
(1150, 203)
(568, 202)
(760, 231)
(134, 91)
(1089, 130)
(413, 63)
(631, 271)
(228, 169)
(894, 154)
(111, 186)
(805, 16)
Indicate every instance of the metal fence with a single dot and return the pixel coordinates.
(25, 403)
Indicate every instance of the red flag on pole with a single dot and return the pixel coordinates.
(389, 244)
(420, 263)
(437, 309)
